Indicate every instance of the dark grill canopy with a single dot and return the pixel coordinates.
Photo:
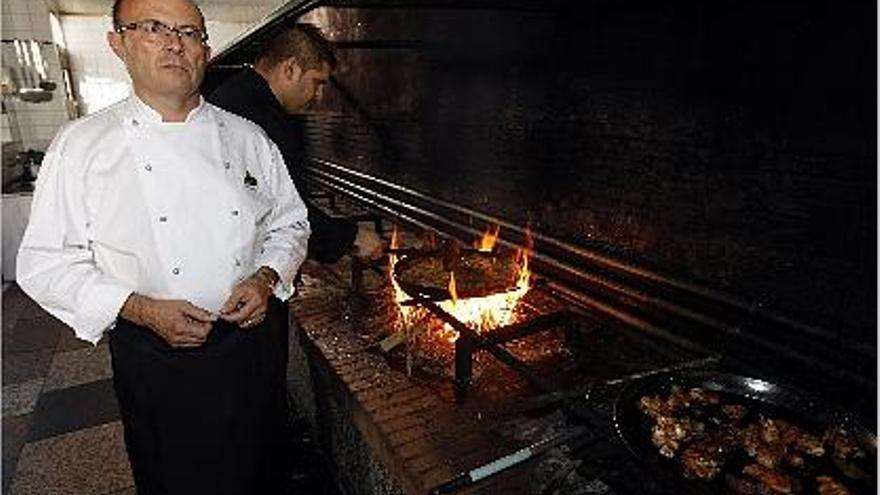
(705, 174)
(243, 49)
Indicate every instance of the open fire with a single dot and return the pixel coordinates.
(480, 313)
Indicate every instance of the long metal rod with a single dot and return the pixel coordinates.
(591, 303)
(751, 311)
(522, 329)
(751, 308)
(394, 207)
(538, 257)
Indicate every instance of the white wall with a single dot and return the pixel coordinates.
(36, 122)
(99, 78)
(25, 19)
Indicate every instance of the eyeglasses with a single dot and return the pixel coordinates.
(158, 30)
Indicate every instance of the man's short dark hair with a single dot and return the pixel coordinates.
(304, 42)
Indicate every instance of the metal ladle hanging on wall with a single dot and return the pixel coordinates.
(34, 85)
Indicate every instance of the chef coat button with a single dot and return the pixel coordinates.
(148, 167)
(235, 213)
(135, 122)
(163, 219)
(226, 165)
(221, 123)
(176, 271)
(237, 263)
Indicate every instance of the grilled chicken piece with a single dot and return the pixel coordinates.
(704, 458)
(669, 433)
(771, 441)
(654, 406)
(734, 413)
(743, 485)
(680, 398)
(769, 430)
(799, 440)
(703, 397)
(773, 481)
(830, 486)
(767, 454)
(843, 445)
(846, 453)
(794, 459)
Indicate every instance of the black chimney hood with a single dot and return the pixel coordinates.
(714, 165)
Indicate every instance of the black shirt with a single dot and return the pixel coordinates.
(247, 94)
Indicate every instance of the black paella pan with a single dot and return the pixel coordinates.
(761, 398)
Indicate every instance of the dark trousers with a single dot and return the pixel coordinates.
(211, 420)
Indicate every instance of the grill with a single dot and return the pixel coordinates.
(692, 318)
(686, 203)
(558, 402)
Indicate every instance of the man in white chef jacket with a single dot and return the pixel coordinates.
(168, 224)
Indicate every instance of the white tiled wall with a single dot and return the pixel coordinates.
(25, 19)
(99, 78)
(36, 122)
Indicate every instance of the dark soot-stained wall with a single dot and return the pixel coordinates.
(731, 145)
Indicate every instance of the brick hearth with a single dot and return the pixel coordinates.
(384, 432)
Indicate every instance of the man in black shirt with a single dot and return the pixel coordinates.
(289, 75)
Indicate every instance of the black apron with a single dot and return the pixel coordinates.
(210, 420)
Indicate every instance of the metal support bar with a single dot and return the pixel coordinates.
(464, 362)
(577, 408)
(526, 328)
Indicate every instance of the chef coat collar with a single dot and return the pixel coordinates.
(146, 113)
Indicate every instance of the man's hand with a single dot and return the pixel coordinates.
(180, 323)
(249, 300)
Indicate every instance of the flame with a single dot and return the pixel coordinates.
(522, 259)
(479, 313)
(487, 242)
(495, 310)
(406, 312)
(452, 292)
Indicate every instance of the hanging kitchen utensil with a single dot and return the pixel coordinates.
(29, 77)
(42, 66)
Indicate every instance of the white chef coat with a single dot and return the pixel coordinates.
(127, 203)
